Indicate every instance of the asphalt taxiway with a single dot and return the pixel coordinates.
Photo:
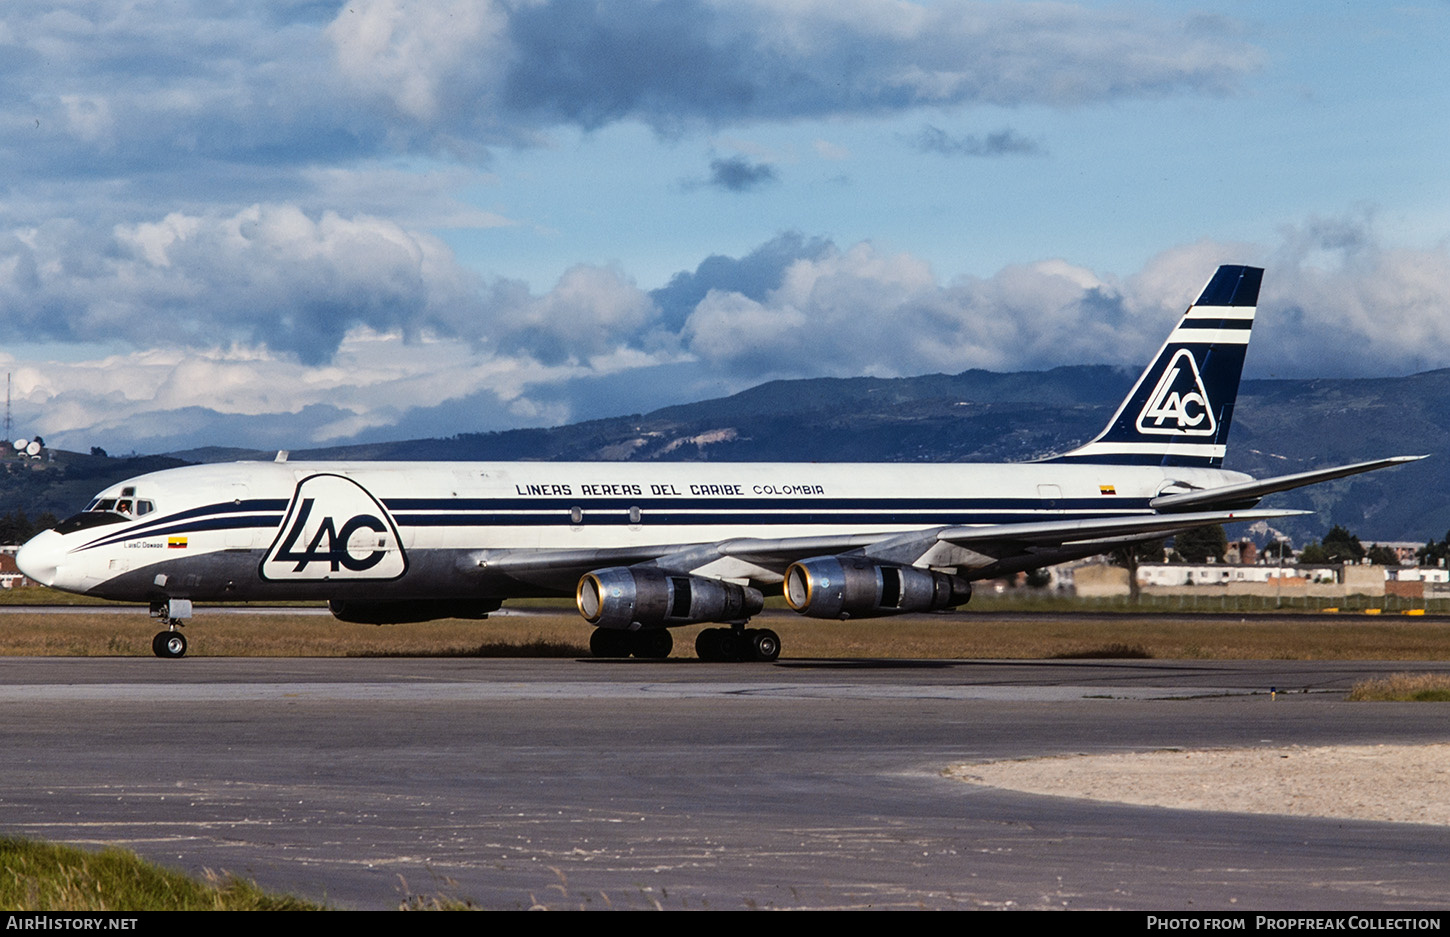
(677, 784)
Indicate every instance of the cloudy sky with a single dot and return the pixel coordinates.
(293, 223)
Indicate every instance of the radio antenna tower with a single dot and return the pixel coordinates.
(7, 407)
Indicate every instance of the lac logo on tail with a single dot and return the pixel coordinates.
(1179, 411)
(1179, 404)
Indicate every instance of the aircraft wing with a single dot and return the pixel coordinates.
(1248, 493)
(990, 542)
(1118, 529)
(680, 557)
(1014, 547)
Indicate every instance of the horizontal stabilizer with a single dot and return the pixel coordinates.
(1248, 493)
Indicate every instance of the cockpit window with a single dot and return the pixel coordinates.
(102, 511)
(87, 519)
(128, 507)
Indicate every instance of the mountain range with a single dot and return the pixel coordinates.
(1279, 427)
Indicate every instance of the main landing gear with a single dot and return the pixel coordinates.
(737, 643)
(646, 644)
(171, 642)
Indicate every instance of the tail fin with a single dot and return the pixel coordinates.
(1179, 411)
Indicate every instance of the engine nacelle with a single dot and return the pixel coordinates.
(410, 611)
(648, 597)
(856, 587)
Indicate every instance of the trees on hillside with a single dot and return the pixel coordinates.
(16, 527)
(1341, 546)
(1278, 551)
(1381, 556)
(1201, 544)
(1434, 552)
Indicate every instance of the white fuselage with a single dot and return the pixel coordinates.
(256, 530)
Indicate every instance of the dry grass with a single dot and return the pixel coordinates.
(284, 634)
(1403, 687)
(969, 635)
(51, 878)
(558, 631)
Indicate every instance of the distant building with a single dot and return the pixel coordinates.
(1244, 552)
(1404, 551)
(10, 574)
(1419, 574)
(1327, 580)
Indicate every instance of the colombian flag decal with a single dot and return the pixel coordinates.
(176, 543)
(1107, 490)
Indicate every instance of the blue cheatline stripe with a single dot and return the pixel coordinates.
(189, 527)
(730, 519)
(407, 506)
(251, 506)
(1163, 459)
(721, 514)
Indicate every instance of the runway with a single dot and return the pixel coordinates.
(807, 784)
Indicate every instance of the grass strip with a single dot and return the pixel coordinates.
(560, 632)
(44, 877)
(1403, 688)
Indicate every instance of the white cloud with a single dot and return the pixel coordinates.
(489, 71)
(269, 275)
(814, 310)
(589, 312)
(860, 311)
(415, 55)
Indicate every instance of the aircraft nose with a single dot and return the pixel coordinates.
(40, 557)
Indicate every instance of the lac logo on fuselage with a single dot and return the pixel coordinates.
(334, 530)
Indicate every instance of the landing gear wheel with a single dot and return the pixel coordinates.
(607, 642)
(737, 644)
(169, 644)
(654, 644)
(765, 644)
(729, 642)
(707, 645)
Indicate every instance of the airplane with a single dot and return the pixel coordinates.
(645, 547)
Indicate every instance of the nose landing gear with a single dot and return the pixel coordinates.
(171, 642)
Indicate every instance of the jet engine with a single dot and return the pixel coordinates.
(409, 611)
(622, 596)
(856, 587)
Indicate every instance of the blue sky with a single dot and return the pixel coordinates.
(295, 223)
